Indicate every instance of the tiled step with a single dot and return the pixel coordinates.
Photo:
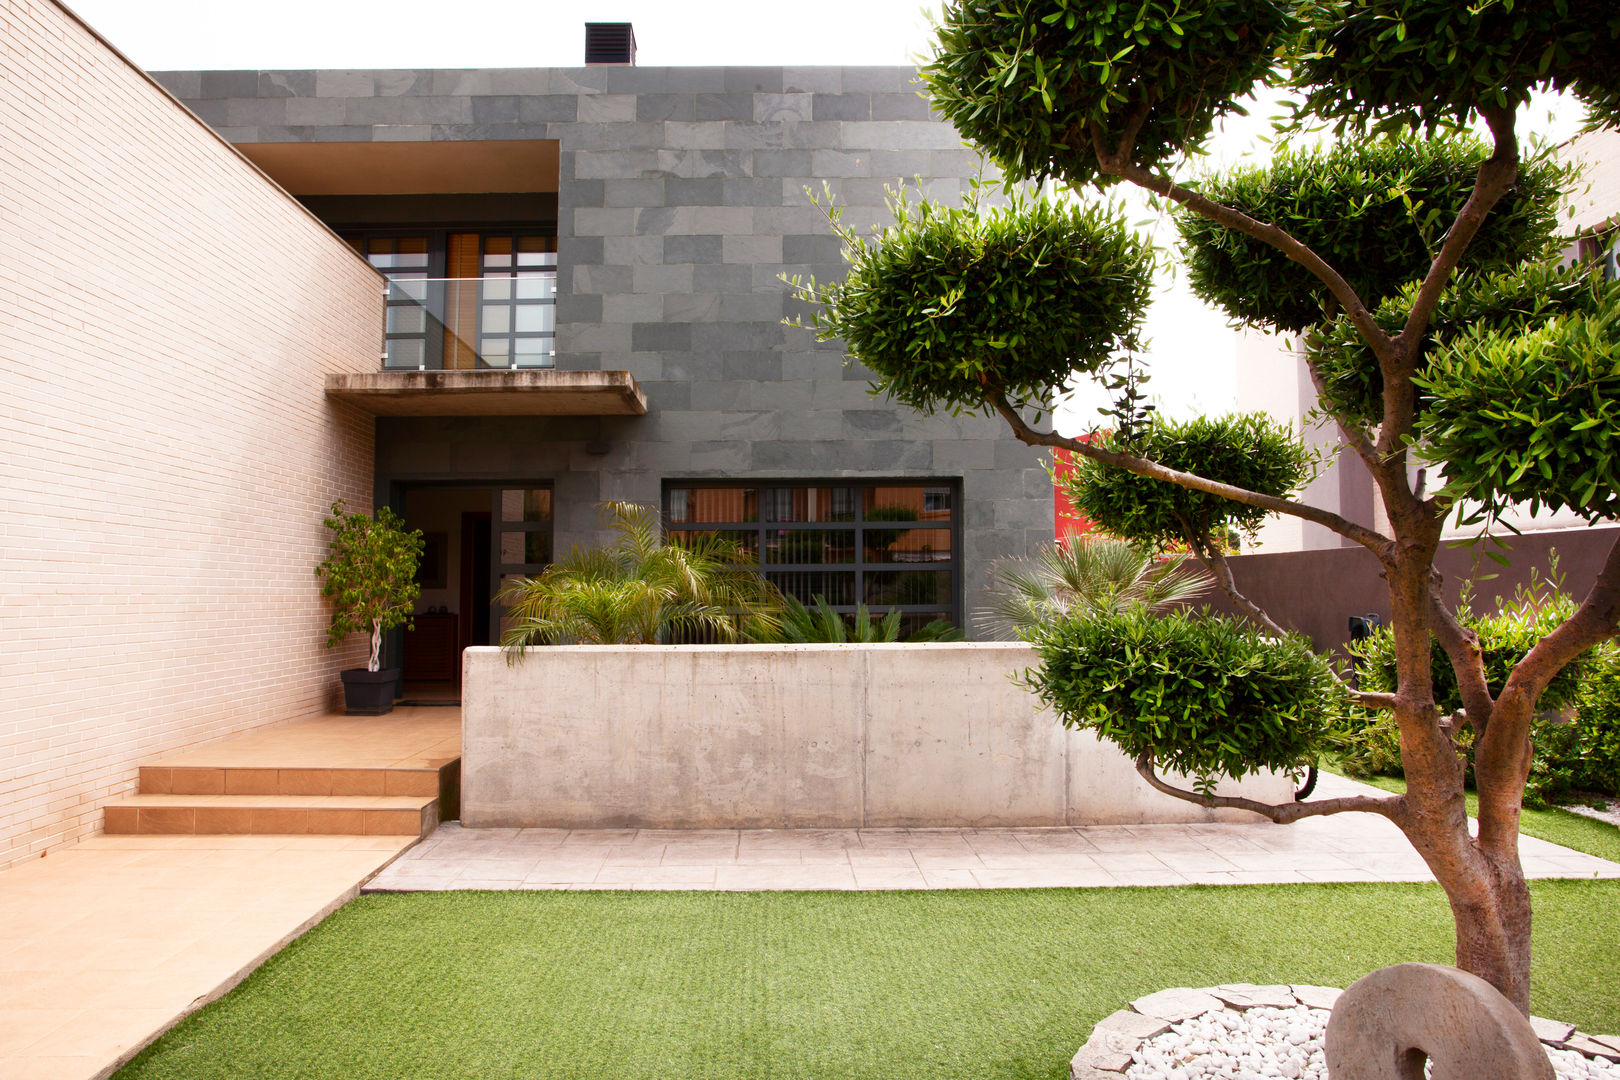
(236, 780)
(355, 815)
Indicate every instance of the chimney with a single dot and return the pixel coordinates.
(609, 43)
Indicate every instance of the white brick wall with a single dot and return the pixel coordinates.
(1595, 198)
(166, 452)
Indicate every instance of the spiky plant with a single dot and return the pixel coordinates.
(1096, 575)
(821, 623)
(639, 589)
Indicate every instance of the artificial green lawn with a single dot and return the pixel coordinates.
(673, 985)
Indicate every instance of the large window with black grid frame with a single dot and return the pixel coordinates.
(883, 543)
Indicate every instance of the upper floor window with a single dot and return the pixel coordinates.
(466, 300)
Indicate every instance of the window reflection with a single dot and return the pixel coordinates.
(883, 544)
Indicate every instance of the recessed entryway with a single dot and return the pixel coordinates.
(476, 537)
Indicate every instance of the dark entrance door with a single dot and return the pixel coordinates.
(484, 534)
(476, 584)
(520, 542)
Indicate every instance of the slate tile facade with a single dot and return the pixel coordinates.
(681, 204)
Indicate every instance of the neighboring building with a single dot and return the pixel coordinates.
(1272, 376)
(573, 296)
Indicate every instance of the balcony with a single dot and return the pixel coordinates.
(480, 347)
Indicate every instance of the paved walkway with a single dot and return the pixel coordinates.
(1343, 847)
(106, 943)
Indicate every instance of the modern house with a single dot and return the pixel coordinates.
(489, 298)
(586, 302)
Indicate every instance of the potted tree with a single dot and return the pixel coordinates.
(370, 576)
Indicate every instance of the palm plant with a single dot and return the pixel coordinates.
(821, 623)
(639, 589)
(1100, 575)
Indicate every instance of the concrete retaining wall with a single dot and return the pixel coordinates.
(765, 736)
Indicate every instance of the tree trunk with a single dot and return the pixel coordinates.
(1490, 905)
(1482, 878)
(375, 663)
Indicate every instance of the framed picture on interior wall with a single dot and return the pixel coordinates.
(431, 573)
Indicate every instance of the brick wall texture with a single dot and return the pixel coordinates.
(1595, 197)
(166, 317)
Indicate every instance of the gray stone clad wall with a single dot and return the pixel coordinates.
(681, 204)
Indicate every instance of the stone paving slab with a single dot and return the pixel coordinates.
(1342, 847)
(105, 944)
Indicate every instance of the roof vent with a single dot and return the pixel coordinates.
(609, 43)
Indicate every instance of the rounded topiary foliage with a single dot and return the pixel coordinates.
(1429, 62)
(1206, 695)
(1507, 303)
(951, 306)
(1249, 451)
(1532, 418)
(1375, 211)
(1027, 80)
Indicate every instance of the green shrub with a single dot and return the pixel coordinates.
(1579, 753)
(821, 623)
(1529, 419)
(951, 301)
(1027, 79)
(1426, 62)
(1249, 451)
(1375, 210)
(1206, 695)
(1594, 739)
(1507, 303)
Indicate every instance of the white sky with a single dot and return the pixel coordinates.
(1191, 357)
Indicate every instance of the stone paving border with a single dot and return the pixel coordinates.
(1116, 1038)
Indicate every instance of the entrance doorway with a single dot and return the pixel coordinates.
(476, 539)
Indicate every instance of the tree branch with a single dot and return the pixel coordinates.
(1378, 544)
(1461, 647)
(1393, 807)
(1353, 436)
(1118, 163)
(1594, 621)
(1496, 177)
(1214, 560)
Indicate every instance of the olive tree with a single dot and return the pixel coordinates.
(1411, 257)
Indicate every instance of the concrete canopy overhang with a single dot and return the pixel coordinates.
(408, 168)
(490, 393)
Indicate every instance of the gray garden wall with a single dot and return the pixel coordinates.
(766, 736)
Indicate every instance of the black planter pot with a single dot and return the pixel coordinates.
(369, 693)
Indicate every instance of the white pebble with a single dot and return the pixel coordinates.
(1268, 1044)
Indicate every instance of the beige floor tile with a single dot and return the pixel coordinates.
(1045, 877)
(942, 878)
(702, 875)
(1116, 862)
(54, 1067)
(783, 878)
(891, 858)
(1149, 877)
(880, 877)
(154, 925)
(561, 872)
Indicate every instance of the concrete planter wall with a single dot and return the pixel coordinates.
(764, 736)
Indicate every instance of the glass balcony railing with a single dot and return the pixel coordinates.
(502, 323)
